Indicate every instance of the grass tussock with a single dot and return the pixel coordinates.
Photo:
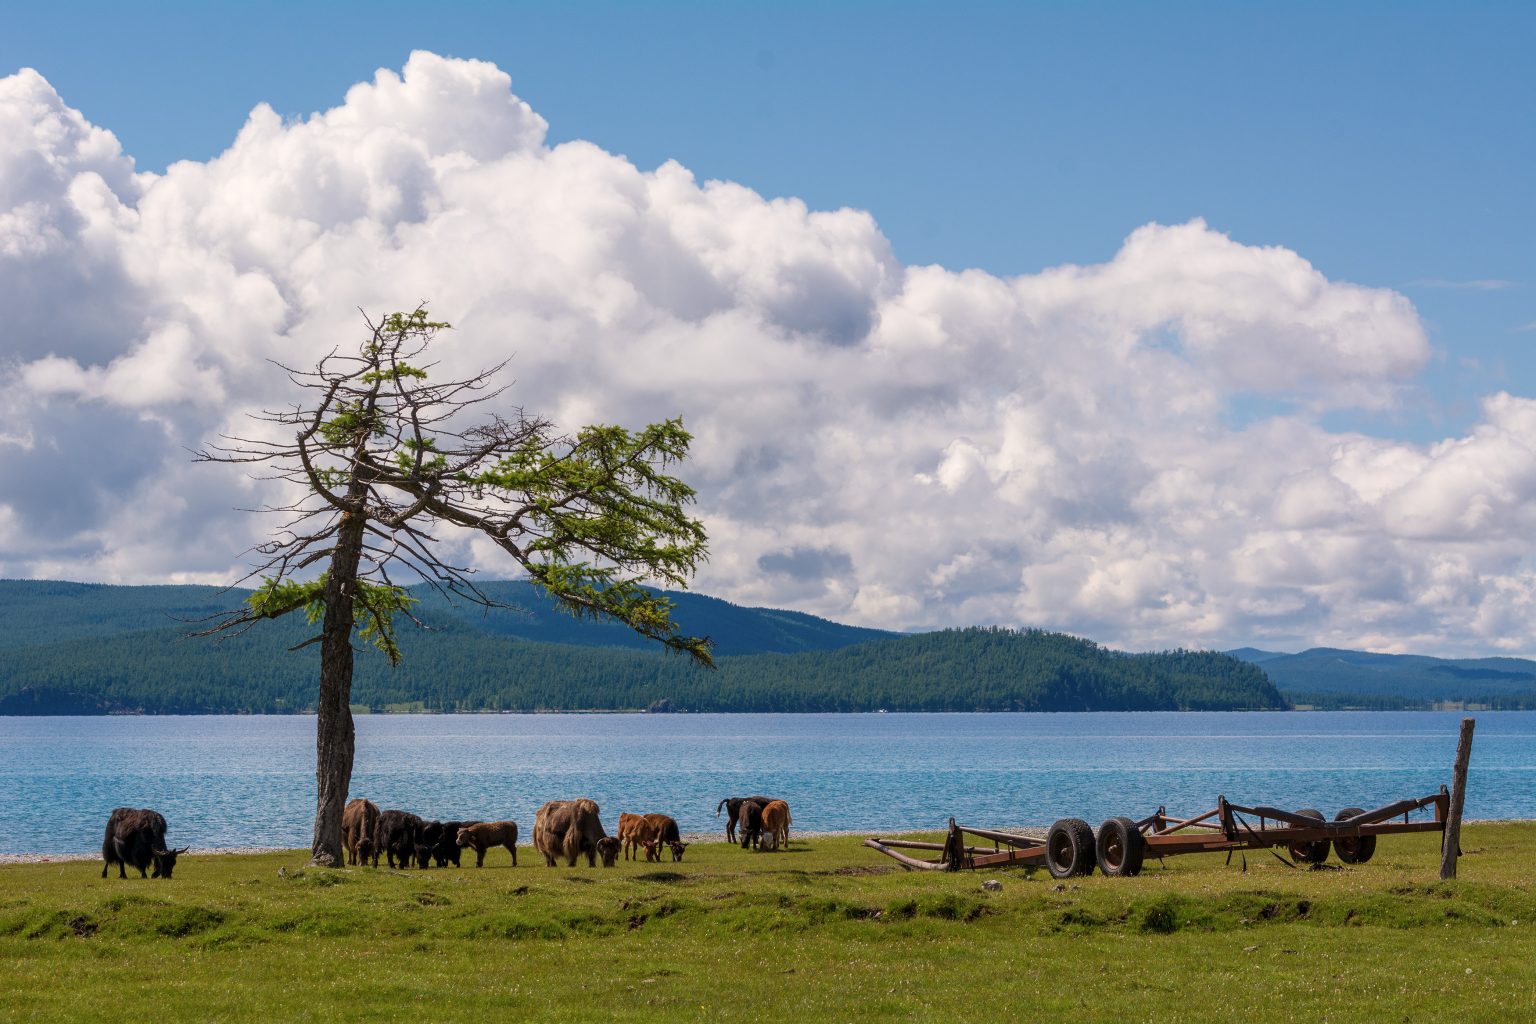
(834, 932)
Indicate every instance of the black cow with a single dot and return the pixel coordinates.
(137, 837)
(397, 836)
(436, 843)
(732, 805)
(749, 819)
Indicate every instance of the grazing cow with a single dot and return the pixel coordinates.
(137, 837)
(396, 835)
(608, 850)
(569, 829)
(482, 835)
(776, 824)
(358, 821)
(732, 805)
(749, 821)
(667, 833)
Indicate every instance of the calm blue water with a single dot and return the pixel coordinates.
(249, 781)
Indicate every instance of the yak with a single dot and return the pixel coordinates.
(569, 829)
(358, 821)
(137, 837)
(396, 836)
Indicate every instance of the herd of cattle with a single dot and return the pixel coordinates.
(562, 830)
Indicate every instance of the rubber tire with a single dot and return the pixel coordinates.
(1069, 848)
(1120, 849)
(1353, 849)
(1314, 852)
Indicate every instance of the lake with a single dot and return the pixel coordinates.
(226, 781)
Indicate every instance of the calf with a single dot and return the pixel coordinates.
(635, 833)
(137, 837)
(666, 833)
(358, 821)
(482, 835)
(732, 805)
(776, 824)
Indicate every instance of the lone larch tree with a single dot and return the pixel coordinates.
(381, 459)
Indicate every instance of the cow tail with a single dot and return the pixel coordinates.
(722, 804)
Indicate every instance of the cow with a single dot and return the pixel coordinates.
(749, 820)
(776, 821)
(732, 805)
(570, 829)
(608, 850)
(396, 836)
(358, 821)
(667, 833)
(435, 843)
(632, 832)
(137, 837)
(482, 835)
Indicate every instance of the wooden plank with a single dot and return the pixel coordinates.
(1450, 847)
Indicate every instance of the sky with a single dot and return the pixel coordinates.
(1186, 324)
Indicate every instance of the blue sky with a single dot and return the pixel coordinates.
(1391, 144)
(1388, 145)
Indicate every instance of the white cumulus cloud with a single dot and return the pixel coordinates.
(900, 446)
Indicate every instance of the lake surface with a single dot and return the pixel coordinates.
(249, 781)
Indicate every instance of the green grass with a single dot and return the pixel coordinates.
(830, 931)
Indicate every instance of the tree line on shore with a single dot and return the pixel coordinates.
(457, 669)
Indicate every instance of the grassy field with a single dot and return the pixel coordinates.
(829, 931)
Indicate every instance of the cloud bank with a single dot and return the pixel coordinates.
(899, 446)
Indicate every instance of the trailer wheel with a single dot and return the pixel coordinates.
(1069, 848)
(1353, 849)
(1314, 852)
(1121, 848)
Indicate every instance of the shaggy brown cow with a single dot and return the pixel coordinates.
(732, 805)
(358, 821)
(569, 829)
(137, 837)
(776, 824)
(486, 834)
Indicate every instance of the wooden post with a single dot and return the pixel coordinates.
(1450, 848)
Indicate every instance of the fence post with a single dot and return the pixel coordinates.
(1450, 847)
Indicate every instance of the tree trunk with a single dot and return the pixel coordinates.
(334, 735)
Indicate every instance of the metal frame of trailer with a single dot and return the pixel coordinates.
(1122, 844)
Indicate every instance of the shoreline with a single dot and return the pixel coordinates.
(718, 836)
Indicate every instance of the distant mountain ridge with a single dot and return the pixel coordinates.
(1329, 676)
(90, 649)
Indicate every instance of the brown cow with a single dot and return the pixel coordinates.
(635, 832)
(485, 834)
(358, 821)
(776, 822)
(666, 832)
(569, 829)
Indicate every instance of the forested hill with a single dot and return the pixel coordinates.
(463, 666)
(50, 612)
